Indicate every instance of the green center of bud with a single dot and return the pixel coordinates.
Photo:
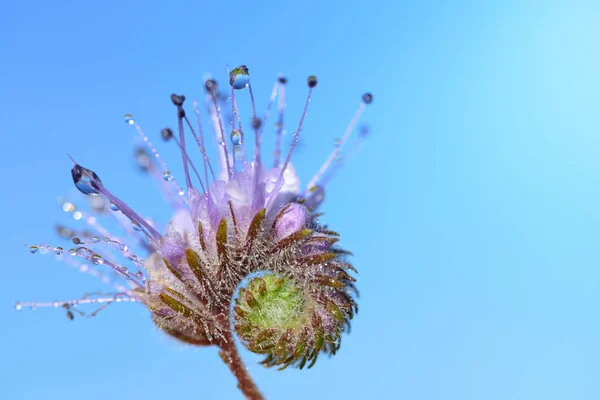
(278, 303)
(271, 301)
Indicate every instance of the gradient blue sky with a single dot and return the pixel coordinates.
(473, 210)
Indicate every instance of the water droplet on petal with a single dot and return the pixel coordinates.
(96, 259)
(315, 197)
(113, 206)
(33, 249)
(129, 119)
(236, 137)
(239, 77)
(167, 176)
(85, 180)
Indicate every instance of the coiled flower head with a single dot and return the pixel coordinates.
(244, 251)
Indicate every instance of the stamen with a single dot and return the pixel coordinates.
(200, 141)
(277, 152)
(367, 98)
(312, 83)
(70, 305)
(178, 102)
(165, 171)
(215, 111)
(236, 114)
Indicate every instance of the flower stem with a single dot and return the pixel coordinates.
(231, 357)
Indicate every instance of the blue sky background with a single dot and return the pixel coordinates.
(473, 210)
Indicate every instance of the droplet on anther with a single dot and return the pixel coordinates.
(211, 86)
(85, 180)
(76, 240)
(177, 99)
(166, 134)
(312, 81)
(282, 80)
(367, 98)
(239, 77)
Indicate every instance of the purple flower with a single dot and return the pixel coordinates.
(244, 250)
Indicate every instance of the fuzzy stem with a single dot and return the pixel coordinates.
(231, 357)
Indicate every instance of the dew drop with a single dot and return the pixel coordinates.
(55, 304)
(135, 226)
(85, 180)
(18, 306)
(76, 240)
(367, 98)
(181, 192)
(113, 206)
(167, 176)
(239, 77)
(72, 252)
(337, 142)
(312, 81)
(33, 249)
(77, 215)
(123, 248)
(166, 134)
(43, 250)
(96, 259)
(68, 207)
(129, 119)
(96, 239)
(236, 137)
(58, 250)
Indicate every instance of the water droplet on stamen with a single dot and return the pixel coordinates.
(33, 249)
(129, 119)
(18, 306)
(55, 304)
(96, 239)
(312, 81)
(58, 250)
(211, 86)
(113, 206)
(236, 137)
(239, 77)
(367, 98)
(86, 180)
(96, 259)
(167, 176)
(135, 226)
(76, 240)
